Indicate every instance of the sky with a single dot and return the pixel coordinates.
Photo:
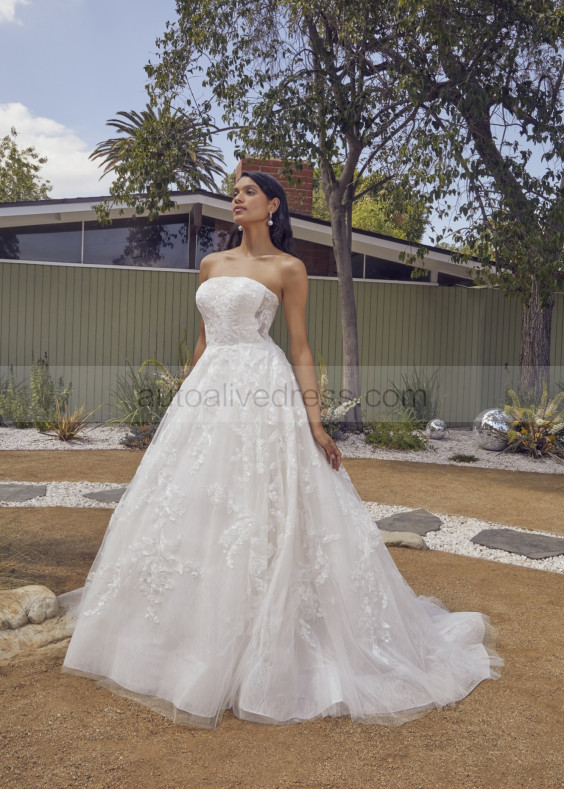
(68, 67)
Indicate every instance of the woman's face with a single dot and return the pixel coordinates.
(250, 204)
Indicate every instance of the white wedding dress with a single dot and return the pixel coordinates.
(240, 571)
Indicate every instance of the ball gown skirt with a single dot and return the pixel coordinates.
(240, 571)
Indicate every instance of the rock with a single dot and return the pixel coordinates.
(419, 521)
(536, 547)
(110, 495)
(20, 643)
(30, 604)
(20, 492)
(408, 540)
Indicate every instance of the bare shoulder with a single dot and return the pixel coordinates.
(294, 273)
(207, 264)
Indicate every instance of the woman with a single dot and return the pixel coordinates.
(241, 569)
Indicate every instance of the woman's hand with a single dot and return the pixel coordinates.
(332, 452)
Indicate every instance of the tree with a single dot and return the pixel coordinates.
(495, 136)
(391, 210)
(299, 81)
(19, 172)
(156, 152)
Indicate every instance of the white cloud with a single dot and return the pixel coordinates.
(8, 9)
(68, 168)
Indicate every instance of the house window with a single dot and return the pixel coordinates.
(380, 269)
(61, 243)
(161, 244)
(451, 279)
(212, 237)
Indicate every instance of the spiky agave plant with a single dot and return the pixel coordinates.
(68, 425)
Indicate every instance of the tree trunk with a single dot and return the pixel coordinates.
(341, 231)
(536, 324)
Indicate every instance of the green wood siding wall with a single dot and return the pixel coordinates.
(93, 321)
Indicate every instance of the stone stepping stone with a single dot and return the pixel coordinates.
(20, 492)
(536, 547)
(108, 495)
(419, 521)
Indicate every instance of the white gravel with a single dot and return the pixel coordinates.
(439, 451)
(99, 437)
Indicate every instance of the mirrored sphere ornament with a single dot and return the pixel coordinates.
(436, 429)
(490, 429)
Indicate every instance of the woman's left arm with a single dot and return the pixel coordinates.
(295, 288)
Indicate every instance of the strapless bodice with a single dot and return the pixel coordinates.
(236, 309)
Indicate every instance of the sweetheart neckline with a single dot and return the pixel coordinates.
(242, 277)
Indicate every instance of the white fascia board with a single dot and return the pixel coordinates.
(52, 212)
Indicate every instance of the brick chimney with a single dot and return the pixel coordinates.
(299, 192)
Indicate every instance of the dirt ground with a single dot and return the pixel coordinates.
(62, 731)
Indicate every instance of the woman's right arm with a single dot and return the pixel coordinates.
(200, 346)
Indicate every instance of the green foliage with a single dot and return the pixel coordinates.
(537, 430)
(418, 396)
(390, 209)
(14, 402)
(19, 172)
(403, 435)
(46, 398)
(169, 383)
(137, 399)
(23, 405)
(227, 185)
(462, 458)
(142, 397)
(491, 139)
(158, 151)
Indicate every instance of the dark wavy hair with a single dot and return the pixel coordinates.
(281, 230)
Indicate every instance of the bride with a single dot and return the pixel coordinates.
(241, 570)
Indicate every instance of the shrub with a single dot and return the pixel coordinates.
(537, 430)
(142, 397)
(333, 411)
(68, 426)
(45, 395)
(139, 437)
(23, 405)
(14, 402)
(138, 399)
(462, 458)
(419, 395)
(403, 435)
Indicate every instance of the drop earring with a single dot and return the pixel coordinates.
(270, 222)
